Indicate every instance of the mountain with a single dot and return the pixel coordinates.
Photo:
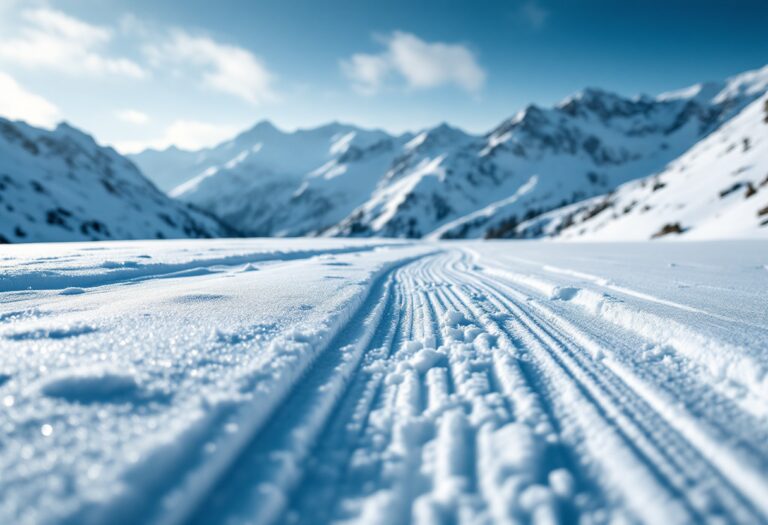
(716, 190)
(591, 143)
(271, 183)
(61, 185)
(169, 167)
(444, 183)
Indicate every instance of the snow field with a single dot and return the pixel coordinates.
(341, 382)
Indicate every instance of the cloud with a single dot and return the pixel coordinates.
(184, 134)
(225, 68)
(18, 103)
(368, 72)
(421, 64)
(132, 116)
(192, 134)
(50, 39)
(534, 14)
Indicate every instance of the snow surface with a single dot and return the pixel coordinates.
(354, 381)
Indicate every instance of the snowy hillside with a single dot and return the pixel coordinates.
(61, 186)
(596, 139)
(358, 381)
(444, 183)
(717, 190)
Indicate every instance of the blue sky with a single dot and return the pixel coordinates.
(142, 72)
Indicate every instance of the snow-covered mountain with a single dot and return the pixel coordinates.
(716, 190)
(272, 183)
(445, 183)
(61, 185)
(593, 142)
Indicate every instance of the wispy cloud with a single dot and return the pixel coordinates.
(421, 64)
(534, 14)
(50, 39)
(184, 134)
(222, 67)
(18, 103)
(132, 116)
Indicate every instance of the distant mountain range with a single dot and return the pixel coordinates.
(691, 163)
(444, 183)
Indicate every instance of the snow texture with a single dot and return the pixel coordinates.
(358, 381)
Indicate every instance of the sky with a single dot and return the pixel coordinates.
(155, 73)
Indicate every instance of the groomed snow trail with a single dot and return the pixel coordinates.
(393, 383)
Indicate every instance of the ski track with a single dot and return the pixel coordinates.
(458, 391)
(417, 442)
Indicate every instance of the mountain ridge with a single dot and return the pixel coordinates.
(61, 185)
(535, 174)
(341, 180)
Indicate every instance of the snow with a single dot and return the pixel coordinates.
(370, 381)
(277, 183)
(61, 185)
(90, 385)
(340, 180)
(716, 190)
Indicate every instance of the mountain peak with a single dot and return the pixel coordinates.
(591, 92)
(702, 92)
(444, 128)
(593, 97)
(447, 130)
(259, 131)
(263, 126)
(65, 129)
(749, 84)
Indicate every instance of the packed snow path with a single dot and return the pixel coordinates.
(330, 381)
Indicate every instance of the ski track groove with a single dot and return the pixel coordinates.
(329, 363)
(699, 397)
(628, 409)
(275, 438)
(454, 396)
(758, 447)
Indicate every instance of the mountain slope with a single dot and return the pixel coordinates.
(595, 141)
(716, 190)
(61, 186)
(444, 183)
(272, 183)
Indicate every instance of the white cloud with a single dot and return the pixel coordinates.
(131, 25)
(184, 134)
(192, 134)
(226, 68)
(368, 72)
(132, 116)
(54, 40)
(18, 103)
(421, 64)
(533, 13)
